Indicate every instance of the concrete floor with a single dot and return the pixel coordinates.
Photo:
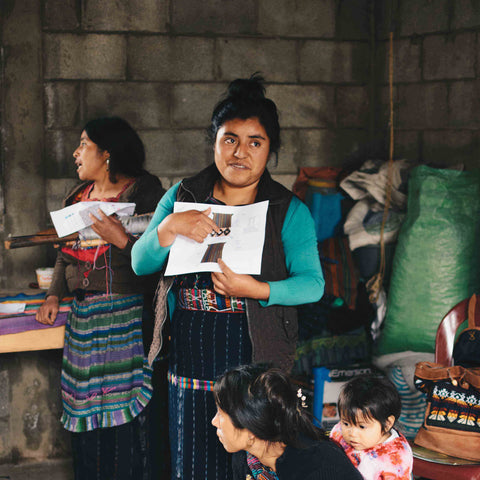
(46, 470)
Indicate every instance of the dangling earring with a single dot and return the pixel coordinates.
(108, 164)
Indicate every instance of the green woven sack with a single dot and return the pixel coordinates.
(436, 263)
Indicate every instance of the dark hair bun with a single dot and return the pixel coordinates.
(245, 98)
(247, 88)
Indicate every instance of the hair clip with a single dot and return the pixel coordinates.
(302, 397)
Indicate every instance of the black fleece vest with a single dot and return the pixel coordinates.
(273, 330)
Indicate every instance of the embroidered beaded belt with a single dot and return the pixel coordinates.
(208, 300)
(190, 383)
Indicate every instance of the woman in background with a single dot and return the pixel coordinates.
(106, 380)
(221, 320)
(261, 419)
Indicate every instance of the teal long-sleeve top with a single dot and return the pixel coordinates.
(305, 283)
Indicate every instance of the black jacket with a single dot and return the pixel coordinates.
(318, 460)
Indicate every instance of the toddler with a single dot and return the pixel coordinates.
(368, 407)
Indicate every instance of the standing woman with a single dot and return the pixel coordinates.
(106, 379)
(221, 320)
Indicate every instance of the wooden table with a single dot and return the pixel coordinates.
(41, 338)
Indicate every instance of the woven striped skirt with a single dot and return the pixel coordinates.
(204, 344)
(106, 380)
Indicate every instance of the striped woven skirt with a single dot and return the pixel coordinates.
(204, 344)
(106, 380)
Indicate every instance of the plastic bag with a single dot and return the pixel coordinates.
(436, 263)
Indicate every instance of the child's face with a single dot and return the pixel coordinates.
(366, 433)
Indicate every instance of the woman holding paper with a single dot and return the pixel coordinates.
(106, 380)
(224, 319)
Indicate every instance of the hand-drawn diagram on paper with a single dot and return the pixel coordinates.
(239, 243)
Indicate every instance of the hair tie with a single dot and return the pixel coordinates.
(302, 397)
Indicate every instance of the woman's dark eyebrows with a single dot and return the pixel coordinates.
(231, 134)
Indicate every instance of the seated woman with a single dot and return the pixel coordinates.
(261, 420)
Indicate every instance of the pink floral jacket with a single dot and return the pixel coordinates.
(389, 460)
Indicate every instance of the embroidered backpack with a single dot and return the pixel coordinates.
(452, 418)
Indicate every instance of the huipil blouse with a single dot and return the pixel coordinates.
(69, 272)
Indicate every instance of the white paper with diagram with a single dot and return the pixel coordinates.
(239, 244)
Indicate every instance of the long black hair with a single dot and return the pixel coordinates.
(115, 135)
(370, 396)
(264, 401)
(246, 99)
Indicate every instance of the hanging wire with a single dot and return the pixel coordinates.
(374, 285)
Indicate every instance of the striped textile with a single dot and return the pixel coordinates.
(206, 299)
(190, 383)
(106, 380)
(259, 471)
(25, 321)
(414, 404)
(203, 345)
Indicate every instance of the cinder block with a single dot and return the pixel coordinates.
(217, 16)
(308, 18)
(304, 106)
(286, 154)
(62, 104)
(466, 14)
(59, 148)
(406, 60)
(175, 179)
(93, 57)
(310, 147)
(176, 153)
(193, 103)
(474, 162)
(286, 180)
(4, 394)
(275, 59)
(170, 58)
(387, 15)
(348, 144)
(56, 190)
(423, 16)
(353, 107)
(167, 182)
(144, 105)
(464, 104)
(61, 15)
(423, 106)
(326, 61)
(449, 56)
(353, 19)
(134, 15)
(406, 144)
(447, 148)
(382, 106)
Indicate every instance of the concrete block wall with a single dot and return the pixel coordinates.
(436, 78)
(163, 65)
